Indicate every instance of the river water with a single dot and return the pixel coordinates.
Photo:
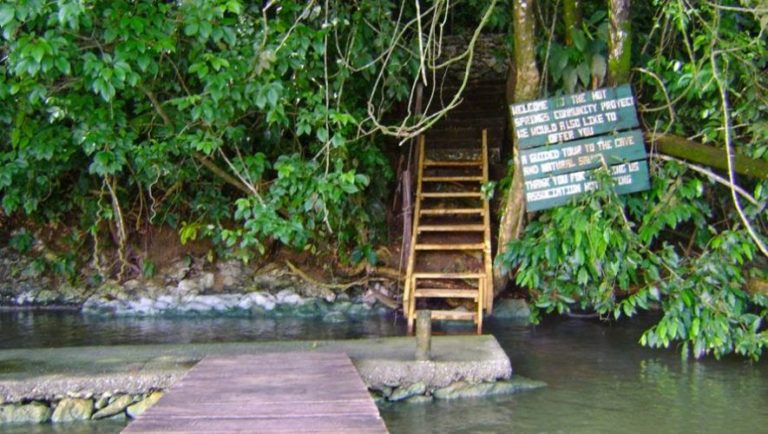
(600, 380)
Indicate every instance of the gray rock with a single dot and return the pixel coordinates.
(463, 389)
(102, 402)
(287, 296)
(140, 407)
(511, 308)
(118, 405)
(118, 417)
(207, 280)
(72, 409)
(131, 285)
(188, 286)
(419, 399)
(261, 299)
(334, 317)
(405, 392)
(517, 384)
(34, 412)
(341, 306)
(178, 270)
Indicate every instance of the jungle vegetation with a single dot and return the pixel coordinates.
(269, 123)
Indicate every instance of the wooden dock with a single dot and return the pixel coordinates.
(299, 392)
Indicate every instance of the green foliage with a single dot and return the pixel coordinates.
(158, 99)
(679, 247)
(572, 67)
(614, 255)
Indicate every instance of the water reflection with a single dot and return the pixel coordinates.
(600, 380)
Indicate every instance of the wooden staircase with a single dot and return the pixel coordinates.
(451, 218)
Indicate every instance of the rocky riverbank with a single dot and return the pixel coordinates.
(194, 287)
(79, 407)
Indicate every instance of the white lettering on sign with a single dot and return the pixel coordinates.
(529, 107)
(562, 136)
(550, 193)
(544, 156)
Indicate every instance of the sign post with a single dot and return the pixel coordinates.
(562, 140)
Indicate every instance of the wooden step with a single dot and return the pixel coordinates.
(455, 315)
(451, 228)
(452, 179)
(439, 276)
(453, 163)
(455, 194)
(467, 246)
(449, 211)
(446, 293)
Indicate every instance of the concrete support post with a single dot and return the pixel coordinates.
(423, 335)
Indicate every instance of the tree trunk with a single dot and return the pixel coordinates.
(526, 87)
(619, 42)
(571, 19)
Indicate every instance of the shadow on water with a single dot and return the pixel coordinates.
(101, 427)
(599, 379)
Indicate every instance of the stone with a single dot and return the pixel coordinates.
(118, 417)
(207, 280)
(102, 402)
(140, 407)
(188, 286)
(405, 392)
(307, 309)
(462, 389)
(118, 405)
(517, 384)
(419, 399)
(262, 299)
(334, 317)
(511, 308)
(34, 412)
(287, 296)
(179, 270)
(131, 285)
(341, 306)
(72, 409)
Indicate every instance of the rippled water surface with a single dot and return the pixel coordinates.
(600, 380)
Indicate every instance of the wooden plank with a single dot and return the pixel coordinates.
(409, 305)
(559, 189)
(451, 228)
(454, 194)
(584, 154)
(486, 284)
(449, 211)
(571, 117)
(266, 393)
(453, 163)
(446, 293)
(453, 178)
(427, 275)
(468, 246)
(453, 315)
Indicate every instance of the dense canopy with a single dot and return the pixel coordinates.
(258, 124)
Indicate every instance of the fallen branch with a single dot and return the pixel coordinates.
(707, 155)
(711, 175)
(342, 286)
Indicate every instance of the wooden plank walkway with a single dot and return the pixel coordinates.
(299, 392)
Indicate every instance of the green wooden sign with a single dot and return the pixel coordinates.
(557, 190)
(562, 140)
(571, 117)
(582, 154)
